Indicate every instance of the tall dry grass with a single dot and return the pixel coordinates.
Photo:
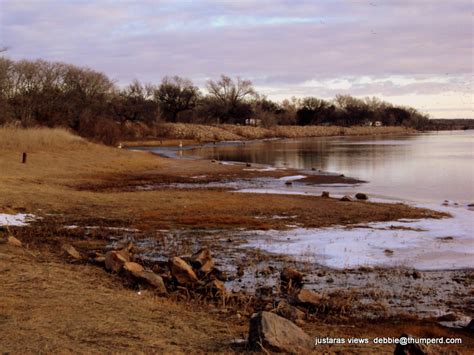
(39, 138)
(226, 132)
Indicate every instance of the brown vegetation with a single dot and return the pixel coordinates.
(196, 133)
(86, 180)
(50, 305)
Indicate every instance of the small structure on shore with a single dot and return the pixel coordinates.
(253, 122)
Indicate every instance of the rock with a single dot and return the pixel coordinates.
(470, 326)
(361, 196)
(182, 271)
(248, 165)
(289, 312)
(288, 183)
(216, 288)
(13, 241)
(325, 194)
(449, 317)
(313, 169)
(291, 278)
(240, 270)
(199, 258)
(264, 293)
(308, 298)
(416, 275)
(346, 198)
(300, 322)
(218, 274)
(410, 349)
(99, 259)
(114, 260)
(274, 333)
(71, 251)
(152, 279)
(133, 267)
(202, 261)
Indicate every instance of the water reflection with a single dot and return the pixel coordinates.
(423, 167)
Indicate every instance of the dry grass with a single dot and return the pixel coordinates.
(35, 139)
(226, 132)
(47, 306)
(51, 180)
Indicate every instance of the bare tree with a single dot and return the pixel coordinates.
(232, 96)
(176, 95)
(230, 92)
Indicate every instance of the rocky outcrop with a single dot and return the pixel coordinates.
(274, 333)
(361, 196)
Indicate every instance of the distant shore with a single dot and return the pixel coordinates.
(173, 134)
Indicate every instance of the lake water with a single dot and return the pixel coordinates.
(422, 170)
(427, 167)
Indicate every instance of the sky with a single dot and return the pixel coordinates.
(417, 53)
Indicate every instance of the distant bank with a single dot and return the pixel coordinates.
(186, 133)
(451, 124)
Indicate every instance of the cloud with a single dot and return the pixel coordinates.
(280, 45)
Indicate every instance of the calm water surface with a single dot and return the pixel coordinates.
(428, 167)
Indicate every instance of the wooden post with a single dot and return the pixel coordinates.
(23, 159)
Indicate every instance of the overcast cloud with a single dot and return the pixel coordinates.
(414, 52)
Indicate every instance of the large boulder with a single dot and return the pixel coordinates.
(116, 259)
(182, 271)
(274, 333)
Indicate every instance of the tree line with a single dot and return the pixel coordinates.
(58, 94)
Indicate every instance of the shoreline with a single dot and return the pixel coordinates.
(91, 197)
